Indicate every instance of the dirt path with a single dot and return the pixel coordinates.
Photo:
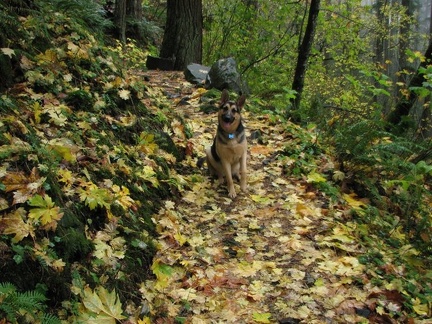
(275, 254)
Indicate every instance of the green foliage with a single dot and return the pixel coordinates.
(256, 36)
(132, 55)
(89, 14)
(382, 167)
(29, 306)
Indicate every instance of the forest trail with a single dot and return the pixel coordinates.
(280, 253)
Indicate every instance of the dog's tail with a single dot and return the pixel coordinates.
(201, 162)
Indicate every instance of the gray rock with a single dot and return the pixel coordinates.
(224, 75)
(196, 73)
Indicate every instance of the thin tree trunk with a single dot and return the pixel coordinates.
(426, 119)
(304, 52)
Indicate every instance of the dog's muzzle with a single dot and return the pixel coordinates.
(228, 118)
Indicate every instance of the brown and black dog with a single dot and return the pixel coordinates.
(226, 158)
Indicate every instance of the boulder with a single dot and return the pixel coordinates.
(196, 73)
(224, 75)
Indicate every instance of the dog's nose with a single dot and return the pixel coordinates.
(228, 118)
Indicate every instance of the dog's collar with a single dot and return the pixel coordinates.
(234, 135)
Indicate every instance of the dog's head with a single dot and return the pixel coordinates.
(229, 112)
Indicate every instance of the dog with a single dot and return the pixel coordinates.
(226, 157)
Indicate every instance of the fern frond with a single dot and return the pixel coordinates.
(88, 13)
(16, 305)
(7, 288)
(50, 319)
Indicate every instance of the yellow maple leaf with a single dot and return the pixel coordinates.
(122, 197)
(102, 306)
(353, 201)
(162, 272)
(261, 317)
(50, 56)
(46, 211)
(58, 265)
(65, 176)
(77, 51)
(315, 177)
(148, 174)
(128, 121)
(63, 152)
(124, 94)
(145, 320)
(261, 199)
(8, 51)
(419, 308)
(13, 223)
(56, 116)
(180, 238)
(94, 197)
(146, 143)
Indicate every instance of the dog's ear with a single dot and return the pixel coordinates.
(241, 101)
(225, 96)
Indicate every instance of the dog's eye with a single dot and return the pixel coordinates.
(234, 111)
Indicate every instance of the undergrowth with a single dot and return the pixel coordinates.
(87, 154)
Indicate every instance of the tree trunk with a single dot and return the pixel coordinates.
(304, 52)
(120, 19)
(426, 118)
(128, 14)
(134, 13)
(134, 9)
(380, 37)
(182, 39)
(404, 105)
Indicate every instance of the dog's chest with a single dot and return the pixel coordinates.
(233, 151)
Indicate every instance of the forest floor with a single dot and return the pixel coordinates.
(281, 253)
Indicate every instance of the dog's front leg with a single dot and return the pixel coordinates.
(228, 175)
(243, 185)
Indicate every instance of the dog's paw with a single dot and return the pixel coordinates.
(244, 188)
(232, 195)
(231, 192)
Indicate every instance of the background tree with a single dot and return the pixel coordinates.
(182, 38)
(129, 22)
(120, 19)
(304, 52)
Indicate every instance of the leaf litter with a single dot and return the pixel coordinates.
(281, 252)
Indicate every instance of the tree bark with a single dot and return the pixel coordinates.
(134, 9)
(304, 52)
(120, 18)
(182, 39)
